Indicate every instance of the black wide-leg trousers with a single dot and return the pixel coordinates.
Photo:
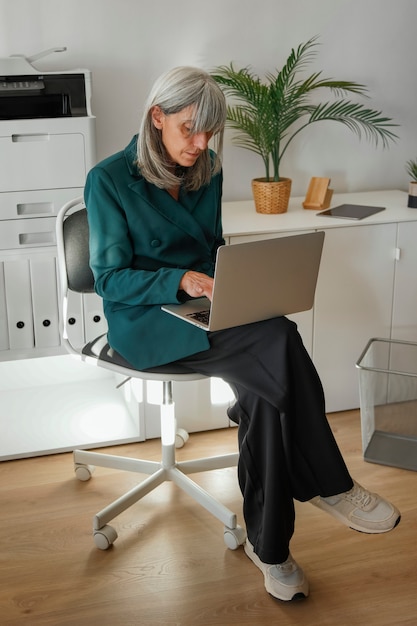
(287, 449)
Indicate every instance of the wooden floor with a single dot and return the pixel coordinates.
(170, 566)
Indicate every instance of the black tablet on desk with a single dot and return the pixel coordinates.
(352, 211)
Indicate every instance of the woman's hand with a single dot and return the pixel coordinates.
(197, 284)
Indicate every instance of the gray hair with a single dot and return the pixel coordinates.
(172, 92)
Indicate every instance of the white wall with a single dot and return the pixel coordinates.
(128, 43)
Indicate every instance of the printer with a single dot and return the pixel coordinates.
(27, 93)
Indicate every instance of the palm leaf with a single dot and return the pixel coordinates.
(360, 119)
(269, 114)
(411, 167)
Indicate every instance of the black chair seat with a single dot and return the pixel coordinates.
(100, 349)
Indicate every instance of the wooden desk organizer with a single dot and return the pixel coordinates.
(318, 194)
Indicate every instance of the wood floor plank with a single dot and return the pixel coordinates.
(170, 566)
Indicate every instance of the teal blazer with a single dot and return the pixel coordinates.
(142, 241)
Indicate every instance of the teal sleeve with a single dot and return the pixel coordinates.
(112, 257)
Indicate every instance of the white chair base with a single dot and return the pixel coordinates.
(168, 469)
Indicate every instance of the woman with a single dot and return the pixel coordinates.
(155, 225)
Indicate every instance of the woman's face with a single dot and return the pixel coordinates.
(182, 147)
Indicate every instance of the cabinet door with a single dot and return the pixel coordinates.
(404, 323)
(353, 304)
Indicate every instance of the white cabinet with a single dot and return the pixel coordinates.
(48, 403)
(353, 303)
(43, 164)
(366, 287)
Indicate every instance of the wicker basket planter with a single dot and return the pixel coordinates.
(412, 195)
(271, 197)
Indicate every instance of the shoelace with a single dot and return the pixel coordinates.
(359, 496)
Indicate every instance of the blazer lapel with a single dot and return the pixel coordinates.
(178, 213)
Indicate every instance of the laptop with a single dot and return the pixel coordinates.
(256, 281)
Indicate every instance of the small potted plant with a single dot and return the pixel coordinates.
(411, 167)
(269, 114)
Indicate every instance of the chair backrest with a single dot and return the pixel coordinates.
(72, 238)
(75, 238)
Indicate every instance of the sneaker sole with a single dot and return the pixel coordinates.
(375, 532)
(317, 502)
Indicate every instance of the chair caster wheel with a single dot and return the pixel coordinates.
(83, 472)
(181, 437)
(105, 537)
(234, 537)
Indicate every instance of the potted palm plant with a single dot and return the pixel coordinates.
(411, 167)
(269, 114)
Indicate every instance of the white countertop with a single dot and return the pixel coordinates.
(240, 217)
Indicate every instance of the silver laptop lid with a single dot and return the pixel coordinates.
(263, 279)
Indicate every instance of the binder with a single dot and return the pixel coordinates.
(44, 301)
(4, 332)
(75, 321)
(19, 304)
(94, 320)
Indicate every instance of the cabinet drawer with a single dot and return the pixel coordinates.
(43, 203)
(27, 233)
(42, 161)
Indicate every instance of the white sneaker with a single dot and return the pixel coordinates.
(361, 510)
(285, 581)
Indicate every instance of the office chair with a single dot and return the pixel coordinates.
(75, 275)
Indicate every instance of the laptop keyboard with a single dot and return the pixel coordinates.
(200, 316)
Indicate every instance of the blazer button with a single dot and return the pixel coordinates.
(155, 243)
